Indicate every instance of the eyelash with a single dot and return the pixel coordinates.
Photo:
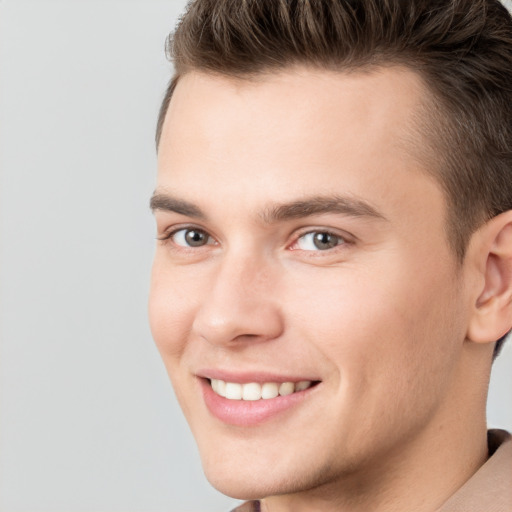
(167, 235)
(343, 240)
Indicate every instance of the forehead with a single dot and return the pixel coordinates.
(297, 132)
(312, 94)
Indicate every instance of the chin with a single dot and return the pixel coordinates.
(239, 477)
(238, 489)
(254, 476)
(251, 485)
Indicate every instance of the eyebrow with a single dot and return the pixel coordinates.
(317, 205)
(164, 202)
(307, 207)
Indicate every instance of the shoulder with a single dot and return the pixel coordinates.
(248, 506)
(489, 488)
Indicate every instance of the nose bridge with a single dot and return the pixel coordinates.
(245, 271)
(240, 303)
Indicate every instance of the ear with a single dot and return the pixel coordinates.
(491, 316)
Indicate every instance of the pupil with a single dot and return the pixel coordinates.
(195, 238)
(324, 241)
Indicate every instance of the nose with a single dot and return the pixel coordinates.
(240, 305)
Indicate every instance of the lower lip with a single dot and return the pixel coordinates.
(246, 413)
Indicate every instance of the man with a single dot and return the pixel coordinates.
(334, 264)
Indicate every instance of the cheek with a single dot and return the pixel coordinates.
(172, 302)
(390, 334)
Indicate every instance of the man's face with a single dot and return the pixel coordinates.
(304, 242)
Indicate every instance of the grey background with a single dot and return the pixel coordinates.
(88, 419)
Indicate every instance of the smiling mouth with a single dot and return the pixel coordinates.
(254, 391)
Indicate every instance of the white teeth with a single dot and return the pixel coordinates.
(255, 391)
(269, 390)
(286, 388)
(233, 391)
(251, 391)
(221, 388)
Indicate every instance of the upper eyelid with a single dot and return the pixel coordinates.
(172, 230)
(348, 237)
(168, 233)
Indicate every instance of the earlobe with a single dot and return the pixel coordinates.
(492, 311)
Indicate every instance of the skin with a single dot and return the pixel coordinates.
(383, 320)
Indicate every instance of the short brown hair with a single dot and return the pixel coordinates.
(461, 48)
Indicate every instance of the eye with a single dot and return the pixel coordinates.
(190, 238)
(319, 241)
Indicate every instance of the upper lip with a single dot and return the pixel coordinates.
(252, 376)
